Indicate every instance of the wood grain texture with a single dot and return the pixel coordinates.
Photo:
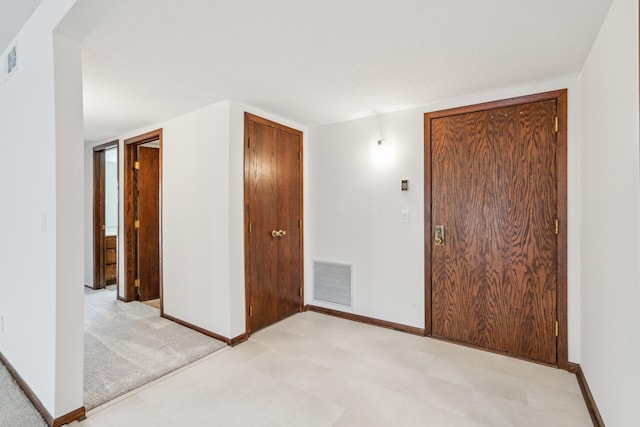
(149, 215)
(99, 273)
(273, 202)
(493, 188)
(263, 246)
(131, 212)
(289, 205)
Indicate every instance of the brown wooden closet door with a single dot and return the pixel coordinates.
(263, 249)
(494, 191)
(149, 231)
(289, 208)
(273, 203)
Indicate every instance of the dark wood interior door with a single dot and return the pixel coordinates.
(149, 216)
(99, 240)
(273, 213)
(493, 189)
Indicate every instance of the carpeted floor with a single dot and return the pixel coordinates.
(15, 408)
(128, 345)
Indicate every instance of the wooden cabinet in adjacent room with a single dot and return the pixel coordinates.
(111, 256)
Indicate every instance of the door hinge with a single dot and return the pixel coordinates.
(557, 227)
(250, 311)
(136, 165)
(300, 292)
(137, 223)
(136, 283)
(300, 155)
(249, 227)
(555, 124)
(556, 328)
(300, 224)
(249, 142)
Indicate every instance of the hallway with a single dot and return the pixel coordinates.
(316, 370)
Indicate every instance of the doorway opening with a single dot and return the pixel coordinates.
(143, 218)
(105, 215)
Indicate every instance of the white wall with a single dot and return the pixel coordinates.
(39, 302)
(69, 225)
(88, 214)
(355, 207)
(610, 193)
(111, 189)
(195, 218)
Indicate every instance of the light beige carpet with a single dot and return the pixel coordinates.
(128, 345)
(15, 407)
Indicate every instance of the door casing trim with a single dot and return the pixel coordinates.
(562, 349)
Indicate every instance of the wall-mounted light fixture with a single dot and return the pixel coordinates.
(405, 185)
(383, 154)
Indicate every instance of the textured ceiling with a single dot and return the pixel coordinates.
(318, 62)
(13, 15)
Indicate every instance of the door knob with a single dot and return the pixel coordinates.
(438, 237)
(278, 233)
(274, 233)
(282, 232)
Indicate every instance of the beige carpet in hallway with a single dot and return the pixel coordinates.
(128, 345)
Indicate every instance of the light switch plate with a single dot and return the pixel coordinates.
(405, 216)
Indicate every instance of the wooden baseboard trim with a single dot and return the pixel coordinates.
(368, 320)
(596, 418)
(27, 390)
(78, 414)
(229, 341)
(237, 340)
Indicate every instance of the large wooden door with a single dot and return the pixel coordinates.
(99, 240)
(149, 231)
(494, 191)
(273, 216)
(143, 217)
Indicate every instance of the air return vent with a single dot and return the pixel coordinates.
(11, 64)
(332, 282)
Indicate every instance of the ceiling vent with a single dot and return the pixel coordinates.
(332, 283)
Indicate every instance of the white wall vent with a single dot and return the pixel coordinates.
(11, 63)
(332, 282)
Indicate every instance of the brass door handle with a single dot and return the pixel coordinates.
(278, 233)
(274, 233)
(282, 232)
(438, 237)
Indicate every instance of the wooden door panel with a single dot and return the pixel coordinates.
(99, 264)
(273, 203)
(494, 190)
(289, 204)
(149, 231)
(262, 182)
